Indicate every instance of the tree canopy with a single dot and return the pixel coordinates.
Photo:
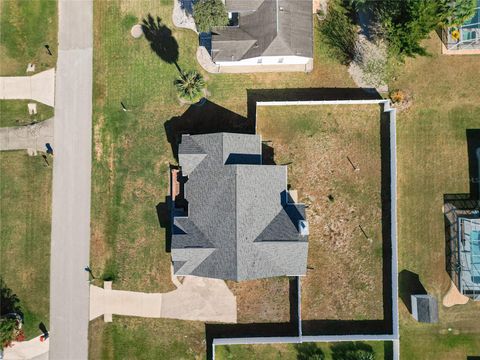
(406, 23)
(209, 13)
(190, 86)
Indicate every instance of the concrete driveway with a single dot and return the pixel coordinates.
(30, 137)
(31, 349)
(39, 87)
(197, 299)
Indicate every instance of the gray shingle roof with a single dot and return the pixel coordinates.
(239, 225)
(265, 28)
(424, 308)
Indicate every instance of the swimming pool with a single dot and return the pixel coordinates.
(475, 252)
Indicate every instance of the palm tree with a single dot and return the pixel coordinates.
(190, 86)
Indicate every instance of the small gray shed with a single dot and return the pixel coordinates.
(424, 308)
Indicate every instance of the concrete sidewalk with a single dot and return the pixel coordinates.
(30, 137)
(197, 299)
(39, 87)
(32, 349)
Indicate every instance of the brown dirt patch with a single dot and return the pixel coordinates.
(264, 300)
(344, 280)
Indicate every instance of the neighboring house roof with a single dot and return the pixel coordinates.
(424, 308)
(265, 28)
(240, 224)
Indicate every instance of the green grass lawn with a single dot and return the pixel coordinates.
(331, 351)
(26, 26)
(25, 213)
(432, 161)
(131, 152)
(15, 113)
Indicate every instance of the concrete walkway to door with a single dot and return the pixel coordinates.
(39, 87)
(197, 298)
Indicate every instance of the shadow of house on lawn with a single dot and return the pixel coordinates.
(409, 284)
(164, 218)
(161, 40)
(205, 119)
(462, 205)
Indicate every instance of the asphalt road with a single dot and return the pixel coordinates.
(70, 248)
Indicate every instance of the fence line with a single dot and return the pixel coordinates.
(394, 337)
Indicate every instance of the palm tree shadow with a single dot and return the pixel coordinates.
(161, 40)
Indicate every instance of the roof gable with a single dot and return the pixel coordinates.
(234, 202)
(274, 28)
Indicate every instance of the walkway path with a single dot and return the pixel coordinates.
(197, 299)
(39, 87)
(30, 137)
(32, 349)
(70, 244)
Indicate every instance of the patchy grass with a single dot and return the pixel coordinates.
(26, 27)
(331, 351)
(433, 161)
(25, 212)
(140, 338)
(262, 301)
(15, 113)
(131, 152)
(344, 280)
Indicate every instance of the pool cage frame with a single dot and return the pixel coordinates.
(458, 210)
(468, 34)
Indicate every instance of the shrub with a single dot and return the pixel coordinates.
(209, 13)
(456, 12)
(339, 32)
(190, 86)
(8, 331)
(110, 272)
(397, 96)
(406, 23)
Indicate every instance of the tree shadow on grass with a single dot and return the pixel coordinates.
(161, 40)
(309, 351)
(348, 350)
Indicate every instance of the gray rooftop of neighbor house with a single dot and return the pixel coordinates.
(265, 28)
(241, 223)
(424, 308)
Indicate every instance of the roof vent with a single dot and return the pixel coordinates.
(281, 8)
(303, 227)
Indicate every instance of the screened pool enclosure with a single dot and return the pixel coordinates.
(466, 36)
